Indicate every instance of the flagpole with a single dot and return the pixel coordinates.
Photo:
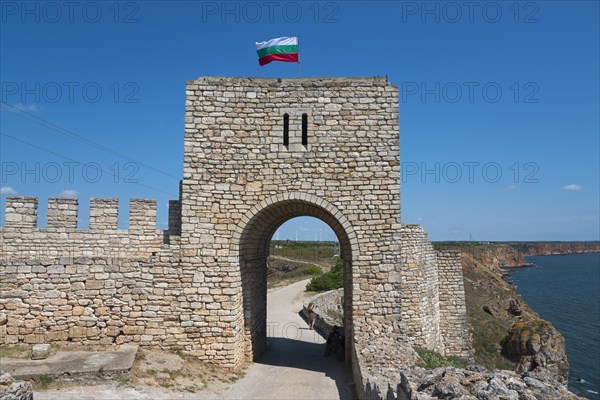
(299, 70)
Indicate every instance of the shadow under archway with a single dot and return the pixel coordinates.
(300, 355)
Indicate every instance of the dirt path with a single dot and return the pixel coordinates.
(293, 368)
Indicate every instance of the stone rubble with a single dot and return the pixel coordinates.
(13, 390)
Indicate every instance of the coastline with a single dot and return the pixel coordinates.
(562, 290)
(508, 268)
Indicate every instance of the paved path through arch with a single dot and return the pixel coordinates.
(294, 366)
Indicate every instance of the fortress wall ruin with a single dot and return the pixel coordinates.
(200, 285)
(453, 310)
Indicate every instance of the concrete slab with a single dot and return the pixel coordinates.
(73, 363)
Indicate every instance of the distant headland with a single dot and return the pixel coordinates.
(512, 254)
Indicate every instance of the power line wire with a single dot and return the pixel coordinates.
(65, 132)
(72, 160)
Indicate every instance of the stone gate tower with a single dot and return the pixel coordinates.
(261, 151)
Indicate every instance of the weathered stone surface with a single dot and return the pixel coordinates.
(476, 383)
(514, 308)
(404, 380)
(13, 390)
(539, 349)
(40, 351)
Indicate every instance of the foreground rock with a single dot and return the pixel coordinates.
(13, 390)
(390, 371)
(475, 382)
(389, 368)
(40, 351)
(537, 348)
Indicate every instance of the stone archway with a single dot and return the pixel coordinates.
(251, 244)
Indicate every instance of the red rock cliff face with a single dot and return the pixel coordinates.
(548, 248)
(497, 255)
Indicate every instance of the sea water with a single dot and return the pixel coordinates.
(565, 290)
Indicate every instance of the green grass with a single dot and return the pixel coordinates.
(139, 356)
(43, 382)
(488, 331)
(432, 360)
(21, 352)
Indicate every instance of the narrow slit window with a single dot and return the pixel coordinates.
(286, 129)
(304, 129)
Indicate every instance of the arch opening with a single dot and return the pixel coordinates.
(254, 248)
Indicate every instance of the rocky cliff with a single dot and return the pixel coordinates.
(517, 355)
(496, 255)
(550, 248)
(512, 254)
(505, 332)
(537, 347)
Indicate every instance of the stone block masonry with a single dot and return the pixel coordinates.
(420, 290)
(92, 301)
(242, 179)
(257, 152)
(453, 311)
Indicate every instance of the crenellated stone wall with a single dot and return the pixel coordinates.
(21, 238)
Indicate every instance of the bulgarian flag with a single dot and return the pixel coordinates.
(279, 49)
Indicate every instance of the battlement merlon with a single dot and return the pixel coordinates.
(21, 212)
(62, 213)
(104, 214)
(142, 215)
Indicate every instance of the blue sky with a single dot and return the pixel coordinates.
(499, 112)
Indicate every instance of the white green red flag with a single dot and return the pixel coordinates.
(279, 49)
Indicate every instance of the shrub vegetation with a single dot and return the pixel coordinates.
(334, 279)
(432, 360)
